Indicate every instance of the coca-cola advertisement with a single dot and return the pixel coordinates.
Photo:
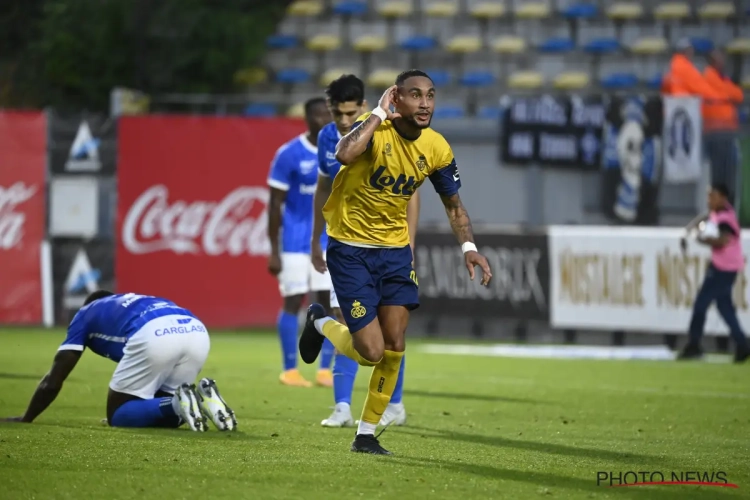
(192, 220)
(22, 215)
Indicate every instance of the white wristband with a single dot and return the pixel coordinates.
(380, 113)
(468, 247)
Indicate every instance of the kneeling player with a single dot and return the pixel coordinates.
(159, 348)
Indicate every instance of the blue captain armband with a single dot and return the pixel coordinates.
(446, 180)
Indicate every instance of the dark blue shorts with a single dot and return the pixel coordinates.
(366, 278)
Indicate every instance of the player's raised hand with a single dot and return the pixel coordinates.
(274, 264)
(474, 259)
(388, 100)
(318, 262)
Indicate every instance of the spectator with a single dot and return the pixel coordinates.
(684, 78)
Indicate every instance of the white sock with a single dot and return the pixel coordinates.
(176, 404)
(366, 428)
(320, 322)
(343, 407)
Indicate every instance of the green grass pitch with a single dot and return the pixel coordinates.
(478, 427)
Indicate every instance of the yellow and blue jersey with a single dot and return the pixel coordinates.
(367, 206)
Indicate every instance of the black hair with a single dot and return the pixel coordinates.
(346, 88)
(722, 189)
(311, 103)
(409, 73)
(99, 294)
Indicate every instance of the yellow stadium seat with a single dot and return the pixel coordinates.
(395, 8)
(716, 10)
(324, 42)
(572, 80)
(746, 82)
(672, 11)
(625, 11)
(508, 44)
(305, 8)
(533, 10)
(251, 76)
(650, 46)
(382, 78)
(526, 80)
(488, 10)
(296, 111)
(441, 9)
(370, 43)
(464, 44)
(739, 46)
(330, 75)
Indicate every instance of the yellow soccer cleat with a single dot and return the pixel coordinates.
(324, 378)
(294, 378)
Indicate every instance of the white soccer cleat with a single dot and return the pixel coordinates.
(213, 406)
(341, 417)
(189, 410)
(395, 414)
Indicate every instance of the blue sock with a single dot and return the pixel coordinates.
(344, 373)
(398, 391)
(157, 412)
(287, 325)
(326, 355)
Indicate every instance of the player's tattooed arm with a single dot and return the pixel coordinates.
(356, 142)
(458, 218)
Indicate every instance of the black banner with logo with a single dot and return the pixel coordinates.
(79, 268)
(520, 276)
(553, 131)
(82, 144)
(632, 163)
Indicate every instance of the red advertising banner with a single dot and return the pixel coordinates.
(192, 220)
(23, 157)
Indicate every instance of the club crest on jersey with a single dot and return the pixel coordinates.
(387, 151)
(400, 185)
(358, 310)
(422, 163)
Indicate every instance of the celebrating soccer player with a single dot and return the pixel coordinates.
(385, 158)
(346, 101)
(292, 182)
(160, 349)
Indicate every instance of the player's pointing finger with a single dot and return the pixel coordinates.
(470, 267)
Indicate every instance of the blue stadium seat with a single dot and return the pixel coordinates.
(620, 81)
(418, 42)
(489, 113)
(477, 78)
(556, 45)
(448, 111)
(702, 45)
(282, 42)
(353, 8)
(580, 11)
(601, 46)
(293, 76)
(260, 110)
(655, 81)
(743, 115)
(440, 77)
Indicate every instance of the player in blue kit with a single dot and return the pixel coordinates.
(292, 182)
(346, 101)
(160, 349)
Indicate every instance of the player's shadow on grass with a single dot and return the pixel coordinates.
(20, 376)
(552, 482)
(550, 448)
(468, 397)
(182, 432)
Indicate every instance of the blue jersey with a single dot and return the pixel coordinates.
(293, 170)
(328, 165)
(105, 325)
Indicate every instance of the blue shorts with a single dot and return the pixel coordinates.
(366, 278)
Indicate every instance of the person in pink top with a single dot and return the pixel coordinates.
(720, 230)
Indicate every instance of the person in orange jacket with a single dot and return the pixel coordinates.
(720, 115)
(684, 78)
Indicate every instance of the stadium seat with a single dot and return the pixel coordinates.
(441, 9)
(580, 11)
(382, 78)
(556, 45)
(370, 43)
(350, 9)
(655, 82)
(532, 10)
(323, 42)
(296, 111)
(440, 77)
(602, 46)
(625, 11)
(330, 75)
(649, 46)
(619, 81)
(251, 76)
(394, 9)
(418, 43)
(487, 10)
(293, 76)
(672, 11)
(702, 45)
(447, 111)
(464, 44)
(260, 110)
(525, 80)
(489, 113)
(508, 44)
(282, 42)
(305, 8)
(739, 46)
(716, 11)
(477, 78)
(571, 80)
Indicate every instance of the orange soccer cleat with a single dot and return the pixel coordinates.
(294, 378)
(324, 378)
